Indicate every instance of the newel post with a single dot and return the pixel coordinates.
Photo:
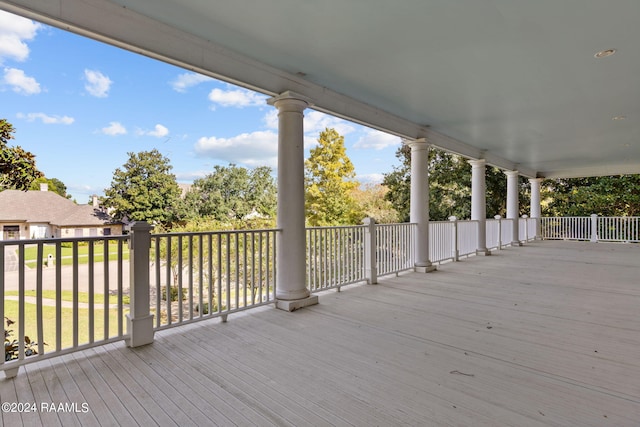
(139, 320)
(499, 218)
(454, 238)
(370, 244)
(594, 227)
(526, 227)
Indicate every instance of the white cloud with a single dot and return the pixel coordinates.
(190, 176)
(251, 149)
(20, 82)
(372, 178)
(237, 98)
(46, 119)
(114, 128)
(187, 80)
(158, 131)
(97, 84)
(377, 140)
(314, 123)
(14, 31)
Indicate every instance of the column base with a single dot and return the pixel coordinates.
(292, 305)
(140, 330)
(424, 269)
(483, 252)
(516, 243)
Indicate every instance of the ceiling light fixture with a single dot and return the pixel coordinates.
(619, 118)
(605, 53)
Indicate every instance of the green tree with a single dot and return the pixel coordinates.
(370, 199)
(605, 196)
(17, 166)
(232, 193)
(449, 187)
(329, 182)
(54, 184)
(145, 190)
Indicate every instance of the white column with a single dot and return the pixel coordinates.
(536, 211)
(291, 291)
(479, 203)
(419, 203)
(513, 205)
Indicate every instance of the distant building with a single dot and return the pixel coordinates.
(45, 214)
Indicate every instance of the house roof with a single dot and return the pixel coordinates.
(48, 207)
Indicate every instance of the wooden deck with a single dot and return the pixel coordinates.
(543, 335)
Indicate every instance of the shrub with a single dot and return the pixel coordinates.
(11, 346)
(174, 293)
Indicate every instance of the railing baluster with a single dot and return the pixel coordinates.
(21, 306)
(91, 292)
(169, 284)
(75, 293)
(211, 278)
(220, 272)
(105, 287)
(39, 301)
(158, 275)
(190, 276)
(179, 272)
(58, 296)
(120, 286)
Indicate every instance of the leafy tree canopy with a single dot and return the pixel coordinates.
(605, 196)
(370, 199)
(17, 166)
(233, 193)
(54, 184)
(144, 189)
(329, 182)
(449, 186)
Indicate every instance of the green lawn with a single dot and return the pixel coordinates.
(31, 253)
(49, 324)
(83, 297)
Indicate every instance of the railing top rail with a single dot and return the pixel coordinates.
(213, 232)
(54, 240)
(395, 224)
(337, 227)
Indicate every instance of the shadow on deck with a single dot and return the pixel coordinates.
(546, 334)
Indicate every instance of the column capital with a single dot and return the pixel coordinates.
(290, 101)
(538, 180)
(417, 144)
(511, 173)
(477, 163)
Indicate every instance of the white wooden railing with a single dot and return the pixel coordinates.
(335, 256)
(107, 290)
(210, 274)
(594, 228)
(64, 294)
(103, 291)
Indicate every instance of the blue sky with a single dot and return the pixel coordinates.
(80, 106)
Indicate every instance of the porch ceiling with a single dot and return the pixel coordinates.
(513, 81)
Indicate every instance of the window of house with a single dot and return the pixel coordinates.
(11, 232)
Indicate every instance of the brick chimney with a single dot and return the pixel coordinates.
(94, 200)
(44, 186)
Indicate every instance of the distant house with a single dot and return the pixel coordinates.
(45, 214)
